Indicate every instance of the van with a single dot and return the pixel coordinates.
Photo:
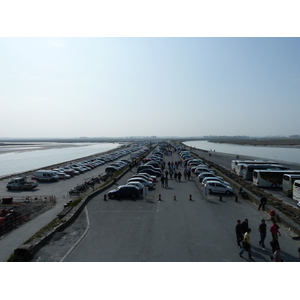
(45, 175)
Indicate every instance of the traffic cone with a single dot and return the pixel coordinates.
(159, 197)
(191, 198)
(174, 198)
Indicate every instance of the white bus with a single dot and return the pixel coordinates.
(296, 190)
(270, 178)
(288, 182)
(247, 170)
(237, 165)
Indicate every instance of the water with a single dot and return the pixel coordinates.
(280, 154)
(21, 161)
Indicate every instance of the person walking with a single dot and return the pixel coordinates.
(239, 233)
(171, 173)
(262, 228)
(274, 244)
(246, 244)
(245, 226)
(277, 256)
(175, 175)
(263, 202)
(179, 176)
(274, 229)
(166, 182)
(162, 180)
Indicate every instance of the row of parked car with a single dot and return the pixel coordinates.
(71, 170)
(145, 178)
(208, 178)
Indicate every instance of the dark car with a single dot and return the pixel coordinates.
(124, 191)
(151, 172)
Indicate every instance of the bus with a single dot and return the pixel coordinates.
(296, 190)
(270, 178)
(247, 170)
(288, 182)
(236, 165)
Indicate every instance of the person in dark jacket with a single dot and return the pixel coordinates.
(245, 226)
(239, 233)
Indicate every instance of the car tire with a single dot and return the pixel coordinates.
(210, 191)
(227, 192)
(111, 196)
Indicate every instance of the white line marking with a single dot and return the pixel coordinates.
(80, 239)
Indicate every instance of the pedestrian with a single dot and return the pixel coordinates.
(277, 256)
(189, 174)
(245, 226)
(299, 251)
(262, 228)
(171, 174)
(167, 173)
(274, 229)
(274, 244)
(263, 202)
(179, 176)
(239, 233)
(166, 181)
(185, 174)
(162, 180)
(175, 175)
(247, 244)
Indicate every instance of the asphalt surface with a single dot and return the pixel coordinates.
(10, 241)
(172, 230)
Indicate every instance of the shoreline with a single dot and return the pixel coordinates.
(28, 172)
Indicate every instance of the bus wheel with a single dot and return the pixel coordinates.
(274, 185)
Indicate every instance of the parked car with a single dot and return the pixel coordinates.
(220, 179)
(144, 181)
(199, 170)
(218, 187)
(149, 176)
(202, 175)
(139, 185)
(124, 191)
(143, 176)
(151, 172)
(144, 167)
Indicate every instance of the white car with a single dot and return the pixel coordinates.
(144, 181)
(202, 175)
(218, 187)
(214, 179)
(139, 185)
(200, 170)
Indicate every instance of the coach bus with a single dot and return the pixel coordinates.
(296, 190)
(270, 178)
(237, 165)
(247, 170)
(288, 182)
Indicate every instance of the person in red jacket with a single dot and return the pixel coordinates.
(274, 229)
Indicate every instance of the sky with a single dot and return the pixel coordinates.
(63, 85)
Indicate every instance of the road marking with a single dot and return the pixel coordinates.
(80, 239)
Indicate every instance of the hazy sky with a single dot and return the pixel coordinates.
(114, 87)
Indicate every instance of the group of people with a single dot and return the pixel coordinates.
(243, 236)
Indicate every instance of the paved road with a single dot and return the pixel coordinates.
(148, 230)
